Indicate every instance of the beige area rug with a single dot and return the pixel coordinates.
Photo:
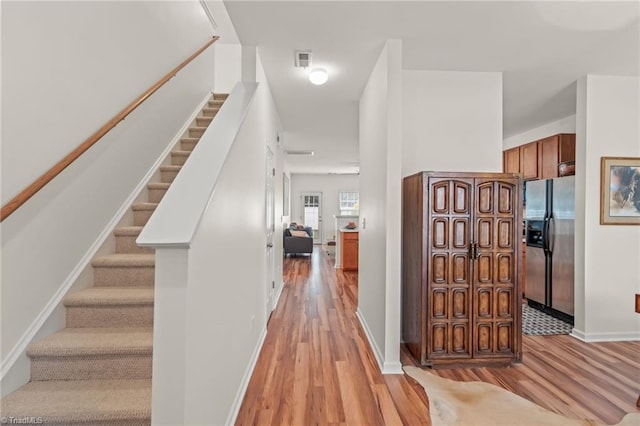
(455, 403)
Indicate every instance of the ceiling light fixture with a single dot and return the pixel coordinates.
(318, 76)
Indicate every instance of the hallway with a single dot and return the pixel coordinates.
(316, 366)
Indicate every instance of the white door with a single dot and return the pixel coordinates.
(312, 213)
(270, 229)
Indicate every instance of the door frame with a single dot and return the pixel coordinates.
(270, 205)
(319, 194)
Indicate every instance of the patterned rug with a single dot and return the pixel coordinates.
(536, 323)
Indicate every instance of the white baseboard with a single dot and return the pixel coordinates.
(392, 368)
(278, 295)
(386, 367)
(21, 345)
(237, 402)
(376, 350)
(605, 337)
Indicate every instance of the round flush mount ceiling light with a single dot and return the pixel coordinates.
(318, 76)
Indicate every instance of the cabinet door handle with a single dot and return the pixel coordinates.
(473, 251)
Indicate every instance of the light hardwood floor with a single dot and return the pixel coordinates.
(316, 367)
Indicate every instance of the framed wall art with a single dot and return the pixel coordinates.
(620, 191)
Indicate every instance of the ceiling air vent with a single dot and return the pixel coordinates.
(307, 153)
(303, 59)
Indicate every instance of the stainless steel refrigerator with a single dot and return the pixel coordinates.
(550, 226)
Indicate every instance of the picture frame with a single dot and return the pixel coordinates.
(620, 191)
(285, 195)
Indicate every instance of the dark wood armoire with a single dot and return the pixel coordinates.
(461, 268)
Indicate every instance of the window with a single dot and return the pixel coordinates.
(349, 203)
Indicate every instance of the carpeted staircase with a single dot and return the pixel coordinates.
(98, 369)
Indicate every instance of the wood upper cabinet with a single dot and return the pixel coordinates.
(530, 165)
(511, 160)
(461, 241)
(540, 159)
(553, 151)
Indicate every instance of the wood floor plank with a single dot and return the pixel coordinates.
(301, 375)
(390, 415)
(316, 366)
(349, 395)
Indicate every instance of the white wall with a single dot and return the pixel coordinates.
(68, 67)
(228, 66)
(412, 121)
(452, 121)
(215, 304)
(380, 191)
(249, 65)
(564, 125)
(271, 128)
(226, 312)
(579, 238)
(329, 186)
(607, 267)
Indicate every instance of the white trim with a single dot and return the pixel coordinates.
(237, 402)
(207, 11)
(578, 334)
(392, 368)
(376, 350)
(277, 299)
(605, 337)
(21, 345)
(386, 367)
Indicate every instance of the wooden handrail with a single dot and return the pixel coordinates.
(39, 183)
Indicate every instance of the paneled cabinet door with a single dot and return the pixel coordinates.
(349, 251)
(494, 268)
(511, 160)
(548, 152)
(449, 305)
(529, 161)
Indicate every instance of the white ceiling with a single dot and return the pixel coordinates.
(542, 48)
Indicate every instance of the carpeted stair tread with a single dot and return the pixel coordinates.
(118, 260)
(203, 121)
(127, 231)
(94, 341)
(210, 112)
(189, 139)
(188, 144)
(170, 168)
(144, 206)
(179, 152)
(111, 296)
(158, 185)
(87, 402)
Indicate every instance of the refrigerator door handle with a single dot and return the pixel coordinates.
(545, 234)
(551, 232)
